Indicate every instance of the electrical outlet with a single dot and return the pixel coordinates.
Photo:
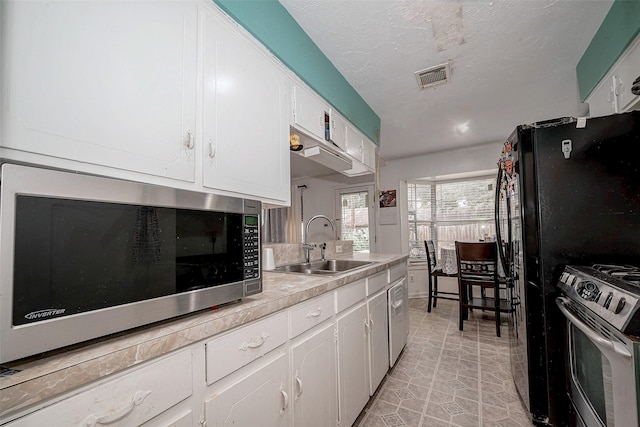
(338, 249)
(411, 278)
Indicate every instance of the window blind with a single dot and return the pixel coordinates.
(446, 212)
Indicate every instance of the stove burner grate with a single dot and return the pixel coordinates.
(628, 273)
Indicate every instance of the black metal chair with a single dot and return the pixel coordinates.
(478, 267)
(434, 273)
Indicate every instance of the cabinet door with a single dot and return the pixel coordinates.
(369, 154)
(309, 112)
(246, 133)
(102, 82)
(260, 398)
(314, 388)
(354, 143)
(338, 130)
(378, 339)
(353, 364)
(628, 71)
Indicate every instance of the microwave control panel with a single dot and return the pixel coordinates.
(251, 239)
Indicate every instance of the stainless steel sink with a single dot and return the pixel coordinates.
(328, 266)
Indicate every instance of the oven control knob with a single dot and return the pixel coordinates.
(605, 301)
(617, 304)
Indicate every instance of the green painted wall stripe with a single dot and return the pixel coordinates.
(618, 30)
(269, 22)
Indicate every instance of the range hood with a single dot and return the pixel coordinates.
(330, 159)
(322, 153)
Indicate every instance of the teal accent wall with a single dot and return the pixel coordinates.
(618, 30)
(269, 22)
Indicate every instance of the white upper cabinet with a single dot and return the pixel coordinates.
(101, 82)
(338, 129)
(363, 152)
(245, 124)
(309, 112)
(613, 93)
(354, 143)
(627, 72)
(369, 150)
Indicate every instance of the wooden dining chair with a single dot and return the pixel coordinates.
(478, 267)
(434, 273)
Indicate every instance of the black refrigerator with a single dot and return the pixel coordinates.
(568, 193)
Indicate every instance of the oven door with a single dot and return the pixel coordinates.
(602, 370)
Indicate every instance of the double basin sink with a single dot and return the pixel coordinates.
(327, 266)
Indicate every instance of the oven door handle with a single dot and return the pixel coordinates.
(618, 349)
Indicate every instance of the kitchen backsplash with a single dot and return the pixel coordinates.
(288, 253)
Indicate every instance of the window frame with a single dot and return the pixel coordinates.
(433, 223)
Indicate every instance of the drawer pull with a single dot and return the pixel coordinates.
(254, 342)
(316, 313)
(285, 400)
(93, 419)
(371, 324)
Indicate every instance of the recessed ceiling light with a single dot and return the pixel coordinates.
(463, 127)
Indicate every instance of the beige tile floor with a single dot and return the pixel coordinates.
(447, 377)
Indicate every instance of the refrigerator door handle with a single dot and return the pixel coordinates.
(496, 214)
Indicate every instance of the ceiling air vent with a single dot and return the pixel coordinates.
(433, 76)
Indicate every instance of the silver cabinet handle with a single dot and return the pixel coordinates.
(618, 349)
(371, 324)
(118, 414)
(189, 141)
(212, 149)
(316, 313)
(254, 342)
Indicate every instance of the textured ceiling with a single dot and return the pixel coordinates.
(512, 62)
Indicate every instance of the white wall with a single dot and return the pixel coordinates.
(392, 238)
(319, 194)
(319, 199)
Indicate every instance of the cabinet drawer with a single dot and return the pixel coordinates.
(376, 283)
(244, 345)
(308, 314)
(397, 271)
(129, 400)
(350, 294)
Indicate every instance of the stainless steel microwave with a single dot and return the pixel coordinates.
(82, 257)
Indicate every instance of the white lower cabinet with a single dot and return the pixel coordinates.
(135, 397)
(183, 418)
(353, 363)
(378, 339)
(314, 377)
(258, 398)
(314, 364)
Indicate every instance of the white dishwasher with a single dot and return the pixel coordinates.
(398, 305)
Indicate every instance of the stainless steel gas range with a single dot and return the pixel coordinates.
(601, 304)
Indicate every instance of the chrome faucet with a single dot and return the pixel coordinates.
(309, 246)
